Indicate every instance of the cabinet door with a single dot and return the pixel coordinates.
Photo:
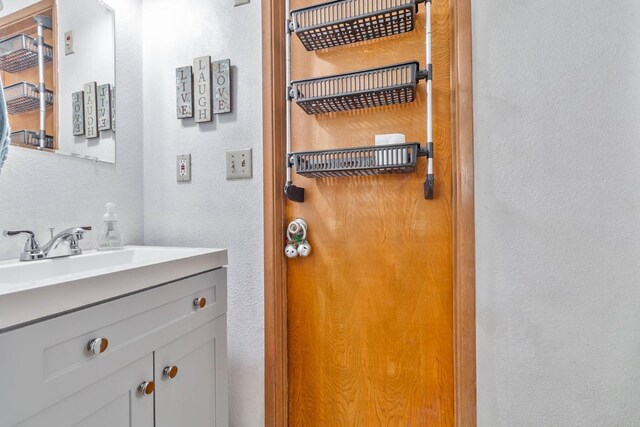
(114, 401)
(197, 395)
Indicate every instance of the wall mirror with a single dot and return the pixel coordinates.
(75, 114)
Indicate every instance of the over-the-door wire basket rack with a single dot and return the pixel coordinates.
(20, 52)
(341, 22)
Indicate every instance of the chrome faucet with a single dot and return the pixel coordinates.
(33, 251)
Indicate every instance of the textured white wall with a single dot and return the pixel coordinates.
(210, 211)
(556, 99)
(40, 190)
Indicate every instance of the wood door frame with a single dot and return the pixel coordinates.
(275, 276)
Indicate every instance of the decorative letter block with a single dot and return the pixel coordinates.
(222, 86)
(91, 110)
(78, 113)
(184, 92)
(104, 107)
(202, 85)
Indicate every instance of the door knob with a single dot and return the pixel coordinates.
(170, 372)
(98, 345)
(200, 303)
(146, 388)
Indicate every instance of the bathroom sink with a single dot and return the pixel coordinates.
(32, 290)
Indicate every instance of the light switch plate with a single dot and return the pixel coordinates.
(239, 164)
(240, 2)
(68, 43)
(183, 168)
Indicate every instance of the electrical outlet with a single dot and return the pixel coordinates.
(68, 43)
(239, 164)
(183, 168)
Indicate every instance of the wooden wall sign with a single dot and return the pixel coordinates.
(78, 113)
(184, 92)
(91, 110)
(202, 85)
(113, 109)
(104, 107)
(222, 86)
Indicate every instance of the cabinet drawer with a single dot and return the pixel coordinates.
(50, 360)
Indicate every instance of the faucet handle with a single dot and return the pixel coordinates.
(32, 248)
(76, 235)
(9, 233)
(79, 232)
(32, 242)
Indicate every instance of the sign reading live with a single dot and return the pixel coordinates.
(104, 107)
(184, 92)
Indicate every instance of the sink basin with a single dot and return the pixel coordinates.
(33, 290)
(21, 275)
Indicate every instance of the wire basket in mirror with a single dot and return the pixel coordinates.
(20, 52)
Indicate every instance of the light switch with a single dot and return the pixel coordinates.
(239, 164)
(68, 43)
(183, 168)
(240, 2)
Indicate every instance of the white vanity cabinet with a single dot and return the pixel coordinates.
(169, 338)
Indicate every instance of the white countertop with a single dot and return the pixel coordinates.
(30, 291)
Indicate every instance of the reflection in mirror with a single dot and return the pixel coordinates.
(4, 126)
(57, 64)
(86, 125)
(26, 64)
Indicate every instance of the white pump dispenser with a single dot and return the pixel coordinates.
(109, 238)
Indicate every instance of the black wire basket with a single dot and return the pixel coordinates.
(359, 161)
(376, 87)
(341, 22)
(20, 52)
(30, 138)
(23, 97)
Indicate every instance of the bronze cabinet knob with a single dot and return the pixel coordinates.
(170, 372)
(98, 345)
(199, 303)
(147, 387)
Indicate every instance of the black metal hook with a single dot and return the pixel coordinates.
(428, 187)
(429, 182)
(293, 193)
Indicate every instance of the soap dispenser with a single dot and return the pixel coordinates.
(109, 238)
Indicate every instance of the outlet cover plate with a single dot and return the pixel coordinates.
(183, 168)
(239, 164)
(68, 43)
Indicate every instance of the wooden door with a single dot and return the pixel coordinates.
(111, 402)
(370, 312)
(197, 395)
